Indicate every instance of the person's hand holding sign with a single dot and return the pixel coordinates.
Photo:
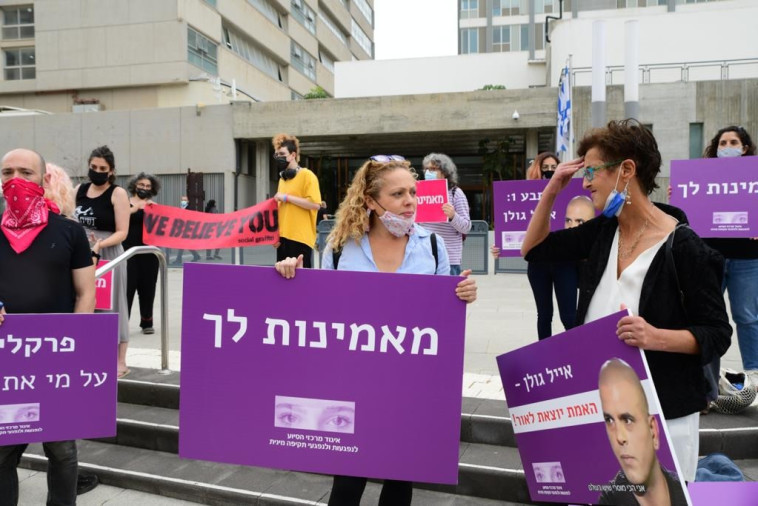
(449, 210)
(288, 266)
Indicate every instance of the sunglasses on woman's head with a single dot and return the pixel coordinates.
(387, 158)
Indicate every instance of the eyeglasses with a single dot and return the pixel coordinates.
(387, 158)
(589, 172)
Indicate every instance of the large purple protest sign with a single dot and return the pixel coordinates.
(515, 202)
(331, 372)
(58, 377)
(718, 195)
(586, 437)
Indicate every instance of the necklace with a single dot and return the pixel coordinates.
(628, 252)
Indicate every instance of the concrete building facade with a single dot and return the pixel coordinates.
(94, 55)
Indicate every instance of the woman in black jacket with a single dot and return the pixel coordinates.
(639, 259)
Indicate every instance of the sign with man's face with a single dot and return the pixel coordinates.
(583, 397)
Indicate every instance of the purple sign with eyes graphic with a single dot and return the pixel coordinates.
(58, 377)
(587, 420)
(514, 203)
(363, 382)
(719, 195)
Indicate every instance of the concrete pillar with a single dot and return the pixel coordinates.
(598, 73)
(632, 69)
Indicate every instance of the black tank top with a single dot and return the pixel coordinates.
(97, 213)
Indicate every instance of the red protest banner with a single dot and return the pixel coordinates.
(172, 227)
(431, 195)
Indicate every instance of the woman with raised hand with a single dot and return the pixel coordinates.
(375, 231)
(639, 259)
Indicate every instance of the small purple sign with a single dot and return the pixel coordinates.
(718, 195)
(358, 379)
(733, 493)
(581, 397)
(58, 377)
(514, 205)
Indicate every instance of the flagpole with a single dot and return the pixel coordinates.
(571, 111)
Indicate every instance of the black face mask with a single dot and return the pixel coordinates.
(98, 178)
(144, 194)
(547, 174)
(281, 162)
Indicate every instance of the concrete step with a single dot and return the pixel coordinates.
(165, 474)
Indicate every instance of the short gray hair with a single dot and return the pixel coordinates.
(445, 164)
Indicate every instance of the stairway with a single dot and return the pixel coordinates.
(143, 456)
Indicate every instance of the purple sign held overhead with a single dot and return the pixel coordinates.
(718, 195)
(58, 377)
(363, 382)
(514, 205)
(582, 397)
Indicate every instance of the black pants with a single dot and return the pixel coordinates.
(289, 248)
(142, 276)
(543, 277)
(347, 491)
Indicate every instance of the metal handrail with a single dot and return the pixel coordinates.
(144, 250)
(683, 66)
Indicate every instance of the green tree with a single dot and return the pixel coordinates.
(317, 92)
(493, 87)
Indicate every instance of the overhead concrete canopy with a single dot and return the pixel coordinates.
(408, 124)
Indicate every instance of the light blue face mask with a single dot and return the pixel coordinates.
(728, 152)
(614, 204)
(430, 174)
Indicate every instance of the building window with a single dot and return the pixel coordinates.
(696, 140)
(268, 10)
(252, 53)
(302, 61)
(469, 9)
(505, 7)
(501, 39)
(469, 40)
(332, 26)
(304, 15)
(622, 4)
(326, 60)
(539, 37)
(18, 22)
(19, 64)
(362, 39)
(211, 2)
(366, 10)
(202, 51)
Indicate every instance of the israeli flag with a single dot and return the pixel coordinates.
(563, 135)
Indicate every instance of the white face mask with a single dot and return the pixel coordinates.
(430, 175)
(729, 152)
(397, 225)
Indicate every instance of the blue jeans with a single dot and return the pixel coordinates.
(61, 473)
(543, 276)
(455, 270)
(741, 281)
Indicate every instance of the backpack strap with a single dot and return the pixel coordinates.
(433, 238)
(336, 254)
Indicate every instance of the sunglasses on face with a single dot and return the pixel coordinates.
(589, 172)
(387, 158)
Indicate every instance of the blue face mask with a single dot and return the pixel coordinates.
(614, 204)
(429, 175)
(728, 152)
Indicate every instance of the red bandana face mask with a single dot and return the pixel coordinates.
(26, 212)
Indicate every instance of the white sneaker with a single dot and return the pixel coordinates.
(753, 378)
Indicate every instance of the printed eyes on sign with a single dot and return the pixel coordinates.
(339, 422)
(289, 418)
(27, 415)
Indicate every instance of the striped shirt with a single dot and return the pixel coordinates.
(452, 231)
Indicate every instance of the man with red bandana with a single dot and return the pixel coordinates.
(45, 267)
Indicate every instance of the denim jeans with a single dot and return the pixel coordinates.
(543, 276)
(741, 282)
(455, 270)
(61, 473)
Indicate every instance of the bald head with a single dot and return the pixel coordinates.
(24, 163)
(578, 211)
(616, 371)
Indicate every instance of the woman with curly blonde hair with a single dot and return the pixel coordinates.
(376, 232)
(60, 189)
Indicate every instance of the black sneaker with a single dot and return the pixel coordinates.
(86, 482)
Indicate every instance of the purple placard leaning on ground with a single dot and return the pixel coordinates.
(514, 205)
(58, 377)
(719, 195)
(332, 372)
(551, 388)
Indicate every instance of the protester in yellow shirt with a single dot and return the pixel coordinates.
(299, 200)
